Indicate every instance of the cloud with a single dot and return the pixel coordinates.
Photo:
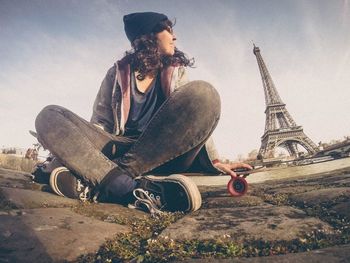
(51, 69)
(64, 62)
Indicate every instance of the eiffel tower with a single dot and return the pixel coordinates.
(280, 128)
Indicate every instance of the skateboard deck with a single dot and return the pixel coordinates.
(237, 185)
(246, 172)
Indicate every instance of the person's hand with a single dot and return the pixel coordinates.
(228, 168)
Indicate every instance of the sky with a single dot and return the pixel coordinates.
(58, 52)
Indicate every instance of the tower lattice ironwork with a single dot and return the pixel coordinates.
(280, 128)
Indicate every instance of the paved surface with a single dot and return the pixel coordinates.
(305, 214)
(38, 226)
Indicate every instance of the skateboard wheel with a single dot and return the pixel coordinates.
(237, 186)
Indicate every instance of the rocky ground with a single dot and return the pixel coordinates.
(299, 219)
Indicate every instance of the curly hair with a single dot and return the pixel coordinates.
(145, 57)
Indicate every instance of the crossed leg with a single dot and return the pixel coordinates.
(175, 135)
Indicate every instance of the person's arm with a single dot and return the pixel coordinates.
(102, 115)
(226, 168)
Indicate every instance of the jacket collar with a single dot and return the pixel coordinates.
(123, 78)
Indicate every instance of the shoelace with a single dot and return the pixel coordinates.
(85, 194)
(144, 199)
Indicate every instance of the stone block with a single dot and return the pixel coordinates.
(51, 235)
(221, 202)
(317, 197)
(23, 198)
(266, 222)
(111, 212)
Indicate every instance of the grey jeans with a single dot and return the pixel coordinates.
(170, 143)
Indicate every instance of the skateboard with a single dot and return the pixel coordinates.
(238, 185)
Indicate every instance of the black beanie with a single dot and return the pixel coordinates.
(138, 24)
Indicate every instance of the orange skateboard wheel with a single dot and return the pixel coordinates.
(237, 186)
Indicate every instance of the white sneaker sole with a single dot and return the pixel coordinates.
(53, 181)
(190, 187)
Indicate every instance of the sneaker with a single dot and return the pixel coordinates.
(167, 193)
(64, 183)
(42, 171)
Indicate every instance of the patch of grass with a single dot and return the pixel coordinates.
(130, 246)
(127, 246)
(275, 199)
(164, 249)
(310, 241)
(143, 244)
(325, 213)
